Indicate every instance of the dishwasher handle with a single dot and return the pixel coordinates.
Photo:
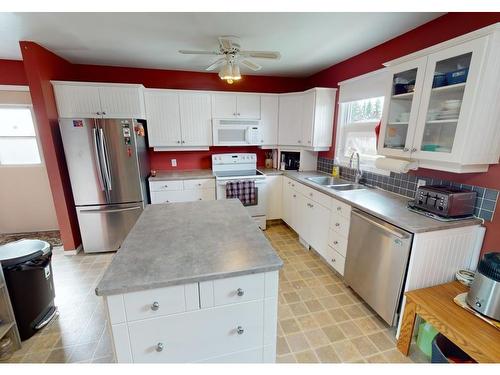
(381, 224)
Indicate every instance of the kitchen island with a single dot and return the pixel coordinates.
(193, 282)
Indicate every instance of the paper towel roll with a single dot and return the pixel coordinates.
(395, 165)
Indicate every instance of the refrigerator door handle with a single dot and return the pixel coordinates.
(105, 158)
(108, 210)
(98, 158)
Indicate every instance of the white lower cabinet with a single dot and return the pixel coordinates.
(182, 191)
(274, 194)
(236, 323)
(320, 220)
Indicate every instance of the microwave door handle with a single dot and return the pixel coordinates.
(105, 156)
(97, 157)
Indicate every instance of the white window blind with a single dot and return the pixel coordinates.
(361, 101)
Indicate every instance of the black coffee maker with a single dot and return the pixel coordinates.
(290, 160)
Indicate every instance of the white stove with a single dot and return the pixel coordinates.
(230, 167)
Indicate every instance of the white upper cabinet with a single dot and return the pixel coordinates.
(439, 107)
(290, 119)
(306, 119)
(99, 100)
(229, 105)
(269, 119)
(163, 115)
(77, 100)
(196, 118)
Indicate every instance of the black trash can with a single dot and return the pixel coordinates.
(28, 274)
(444, 351)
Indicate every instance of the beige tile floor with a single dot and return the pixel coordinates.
(320, 320)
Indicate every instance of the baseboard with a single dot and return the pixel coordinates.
(73, 252)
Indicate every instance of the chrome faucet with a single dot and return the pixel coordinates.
(358, 173)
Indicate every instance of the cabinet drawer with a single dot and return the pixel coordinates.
(168, 196)
(318, 197)
(202, 183)
(165, 185)
(161, 301)
(232, 290)
(339, 224)
(202, 194)
(198, 335)
(336, 260)
(341, 208)
(337, 242)
(246, 356)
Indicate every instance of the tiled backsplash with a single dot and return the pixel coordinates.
(405, 184)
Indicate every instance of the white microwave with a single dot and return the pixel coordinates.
(236, 132)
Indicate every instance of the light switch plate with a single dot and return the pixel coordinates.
(174, 162)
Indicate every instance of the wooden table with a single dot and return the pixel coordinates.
(477, 338)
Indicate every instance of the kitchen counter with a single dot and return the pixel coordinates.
(182, 243)
(271, 171)
(387, 206)
(182, 175)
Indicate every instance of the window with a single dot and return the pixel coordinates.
(18, 143)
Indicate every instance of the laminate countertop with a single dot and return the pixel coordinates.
(189, 242)
(387, 206)
(182, 175)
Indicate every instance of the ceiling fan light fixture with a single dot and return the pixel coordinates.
(230, 72)
(236, 72)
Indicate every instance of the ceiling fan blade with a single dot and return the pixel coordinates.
(189, 52)
(273, 55)
(226, 42)
(216, 63)
(251, 65)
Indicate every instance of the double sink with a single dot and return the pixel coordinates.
(335, 183)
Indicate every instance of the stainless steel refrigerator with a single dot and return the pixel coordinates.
(108, 167)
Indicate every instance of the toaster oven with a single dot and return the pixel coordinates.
(445, 201)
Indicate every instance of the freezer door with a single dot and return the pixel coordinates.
(104, 228)
(80, 141)
(120, 160)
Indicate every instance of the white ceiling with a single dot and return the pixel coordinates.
(308, 42)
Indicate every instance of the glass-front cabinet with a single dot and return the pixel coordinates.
(401, 108)
(441, 108)
(450, 82)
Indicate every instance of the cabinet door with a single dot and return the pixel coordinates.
(319, 227)
(399, 119)
(122, 102)
(269, 119)
(274, 193)
(75, 101)
(302, 216)
(286, 201)
(164, 122)
(308, 102)
(248, 106)
(224, 105)
(446, 106)
(196, 119)
(324, 105)
(290, 120)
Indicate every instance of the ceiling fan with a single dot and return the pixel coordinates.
(232, 56)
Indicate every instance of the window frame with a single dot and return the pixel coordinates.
(367, 163)
(36, 136)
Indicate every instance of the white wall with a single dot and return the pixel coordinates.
(25, 198)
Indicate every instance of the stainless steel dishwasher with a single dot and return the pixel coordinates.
(376, 262)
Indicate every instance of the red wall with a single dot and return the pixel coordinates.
(41, 66)
(443, 28)
(12, 73)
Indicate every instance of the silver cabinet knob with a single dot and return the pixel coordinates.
(178, 141)
(199, 199)
(413, 150)
(337, 224)
(240, 330)
(335, 242)
(155, 306)
(310, 194)
(234, 113)
(339, 208)
(333, 260)
(294, 196)
(406, 149)
(299, 141)
(238, 114)
(183, 141)
(159, 347)
(240, 292)
(104, 113)
(98, 113)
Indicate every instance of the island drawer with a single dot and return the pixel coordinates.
(341, 208)
(232, 290)
(160, 302)
(165, 185)
(198, 335)
(201, 183)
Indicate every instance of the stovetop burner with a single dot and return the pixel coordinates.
(248, 173)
